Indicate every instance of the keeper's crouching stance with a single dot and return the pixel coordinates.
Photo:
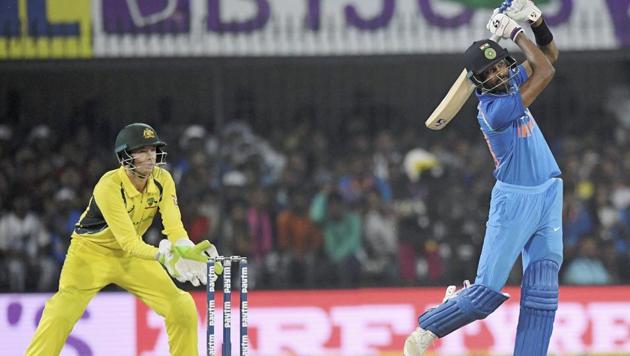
(107, 247)
(526, 204)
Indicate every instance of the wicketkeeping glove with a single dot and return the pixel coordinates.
(195, 259)
(187, 262)
(523, 10)
(502, 26)
(171, 261)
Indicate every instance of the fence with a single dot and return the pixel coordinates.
(386, 91)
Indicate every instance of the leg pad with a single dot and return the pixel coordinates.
(539, 302)
(473, 303)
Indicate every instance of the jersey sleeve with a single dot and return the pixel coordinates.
(110, 201)
(521, 75)
(501, 111)
(169, 209)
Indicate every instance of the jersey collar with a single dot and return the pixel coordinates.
(129, 187)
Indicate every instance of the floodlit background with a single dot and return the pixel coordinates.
(268, 106)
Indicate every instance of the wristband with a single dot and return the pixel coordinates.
(542, 34)
(515, 33)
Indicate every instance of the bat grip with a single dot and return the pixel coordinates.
(504, 6)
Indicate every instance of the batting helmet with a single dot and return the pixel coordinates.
(481, 56)
(135, 136)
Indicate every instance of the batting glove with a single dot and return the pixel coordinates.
(504, 27)
(523, 10)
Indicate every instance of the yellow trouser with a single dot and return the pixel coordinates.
(90, 267)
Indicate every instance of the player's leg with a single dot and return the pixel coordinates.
(539, 289)
(506, 234)
(82, 276)
(152, 284)
(458, 309)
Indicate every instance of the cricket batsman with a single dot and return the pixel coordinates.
(525, 215)
(107, 247)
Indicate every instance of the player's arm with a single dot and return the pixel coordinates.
(543, 35)
(169, 209)
(542, 71)
(545, 42)
(195, 256)
(526, 11)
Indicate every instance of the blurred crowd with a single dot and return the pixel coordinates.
(310, 210)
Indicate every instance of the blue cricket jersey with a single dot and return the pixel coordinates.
(519, 149)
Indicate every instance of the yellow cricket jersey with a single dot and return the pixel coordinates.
(118, 214)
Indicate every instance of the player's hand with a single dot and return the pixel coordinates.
(212, 252)
(502, 26)
(171, 261)
(523, 10)
(194, 259)
(201, 252)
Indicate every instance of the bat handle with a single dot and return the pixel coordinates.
(504, 6)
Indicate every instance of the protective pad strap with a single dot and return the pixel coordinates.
(539, 301)
(473, 303)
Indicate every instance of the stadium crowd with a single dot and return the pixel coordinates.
(382, 208)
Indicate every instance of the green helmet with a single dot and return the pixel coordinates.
(135, 136)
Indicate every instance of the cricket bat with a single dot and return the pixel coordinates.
(453, 101)
(457, 96)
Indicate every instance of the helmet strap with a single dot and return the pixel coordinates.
(127, 161)
(482, 83)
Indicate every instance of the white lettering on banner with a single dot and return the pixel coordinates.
(318, 27)
(300, 330)
(569, 326)
(502, 325)
(106, 328)
(115, 323)
(363, 327)
(611, 326)
(454, 343)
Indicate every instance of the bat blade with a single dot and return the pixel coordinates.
(451, 104)
(456, 96)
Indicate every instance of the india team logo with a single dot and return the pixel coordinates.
(490, 53)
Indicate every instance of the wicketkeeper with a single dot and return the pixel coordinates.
(107, 247)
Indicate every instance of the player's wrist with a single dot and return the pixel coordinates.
(515, 33)
(536, 23)
(542, 34)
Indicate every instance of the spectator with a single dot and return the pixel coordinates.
(354, 185)
(587, 267)
(342, 237)
(299, 242)
(260, 228)
(25, 243)
(380, 257)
